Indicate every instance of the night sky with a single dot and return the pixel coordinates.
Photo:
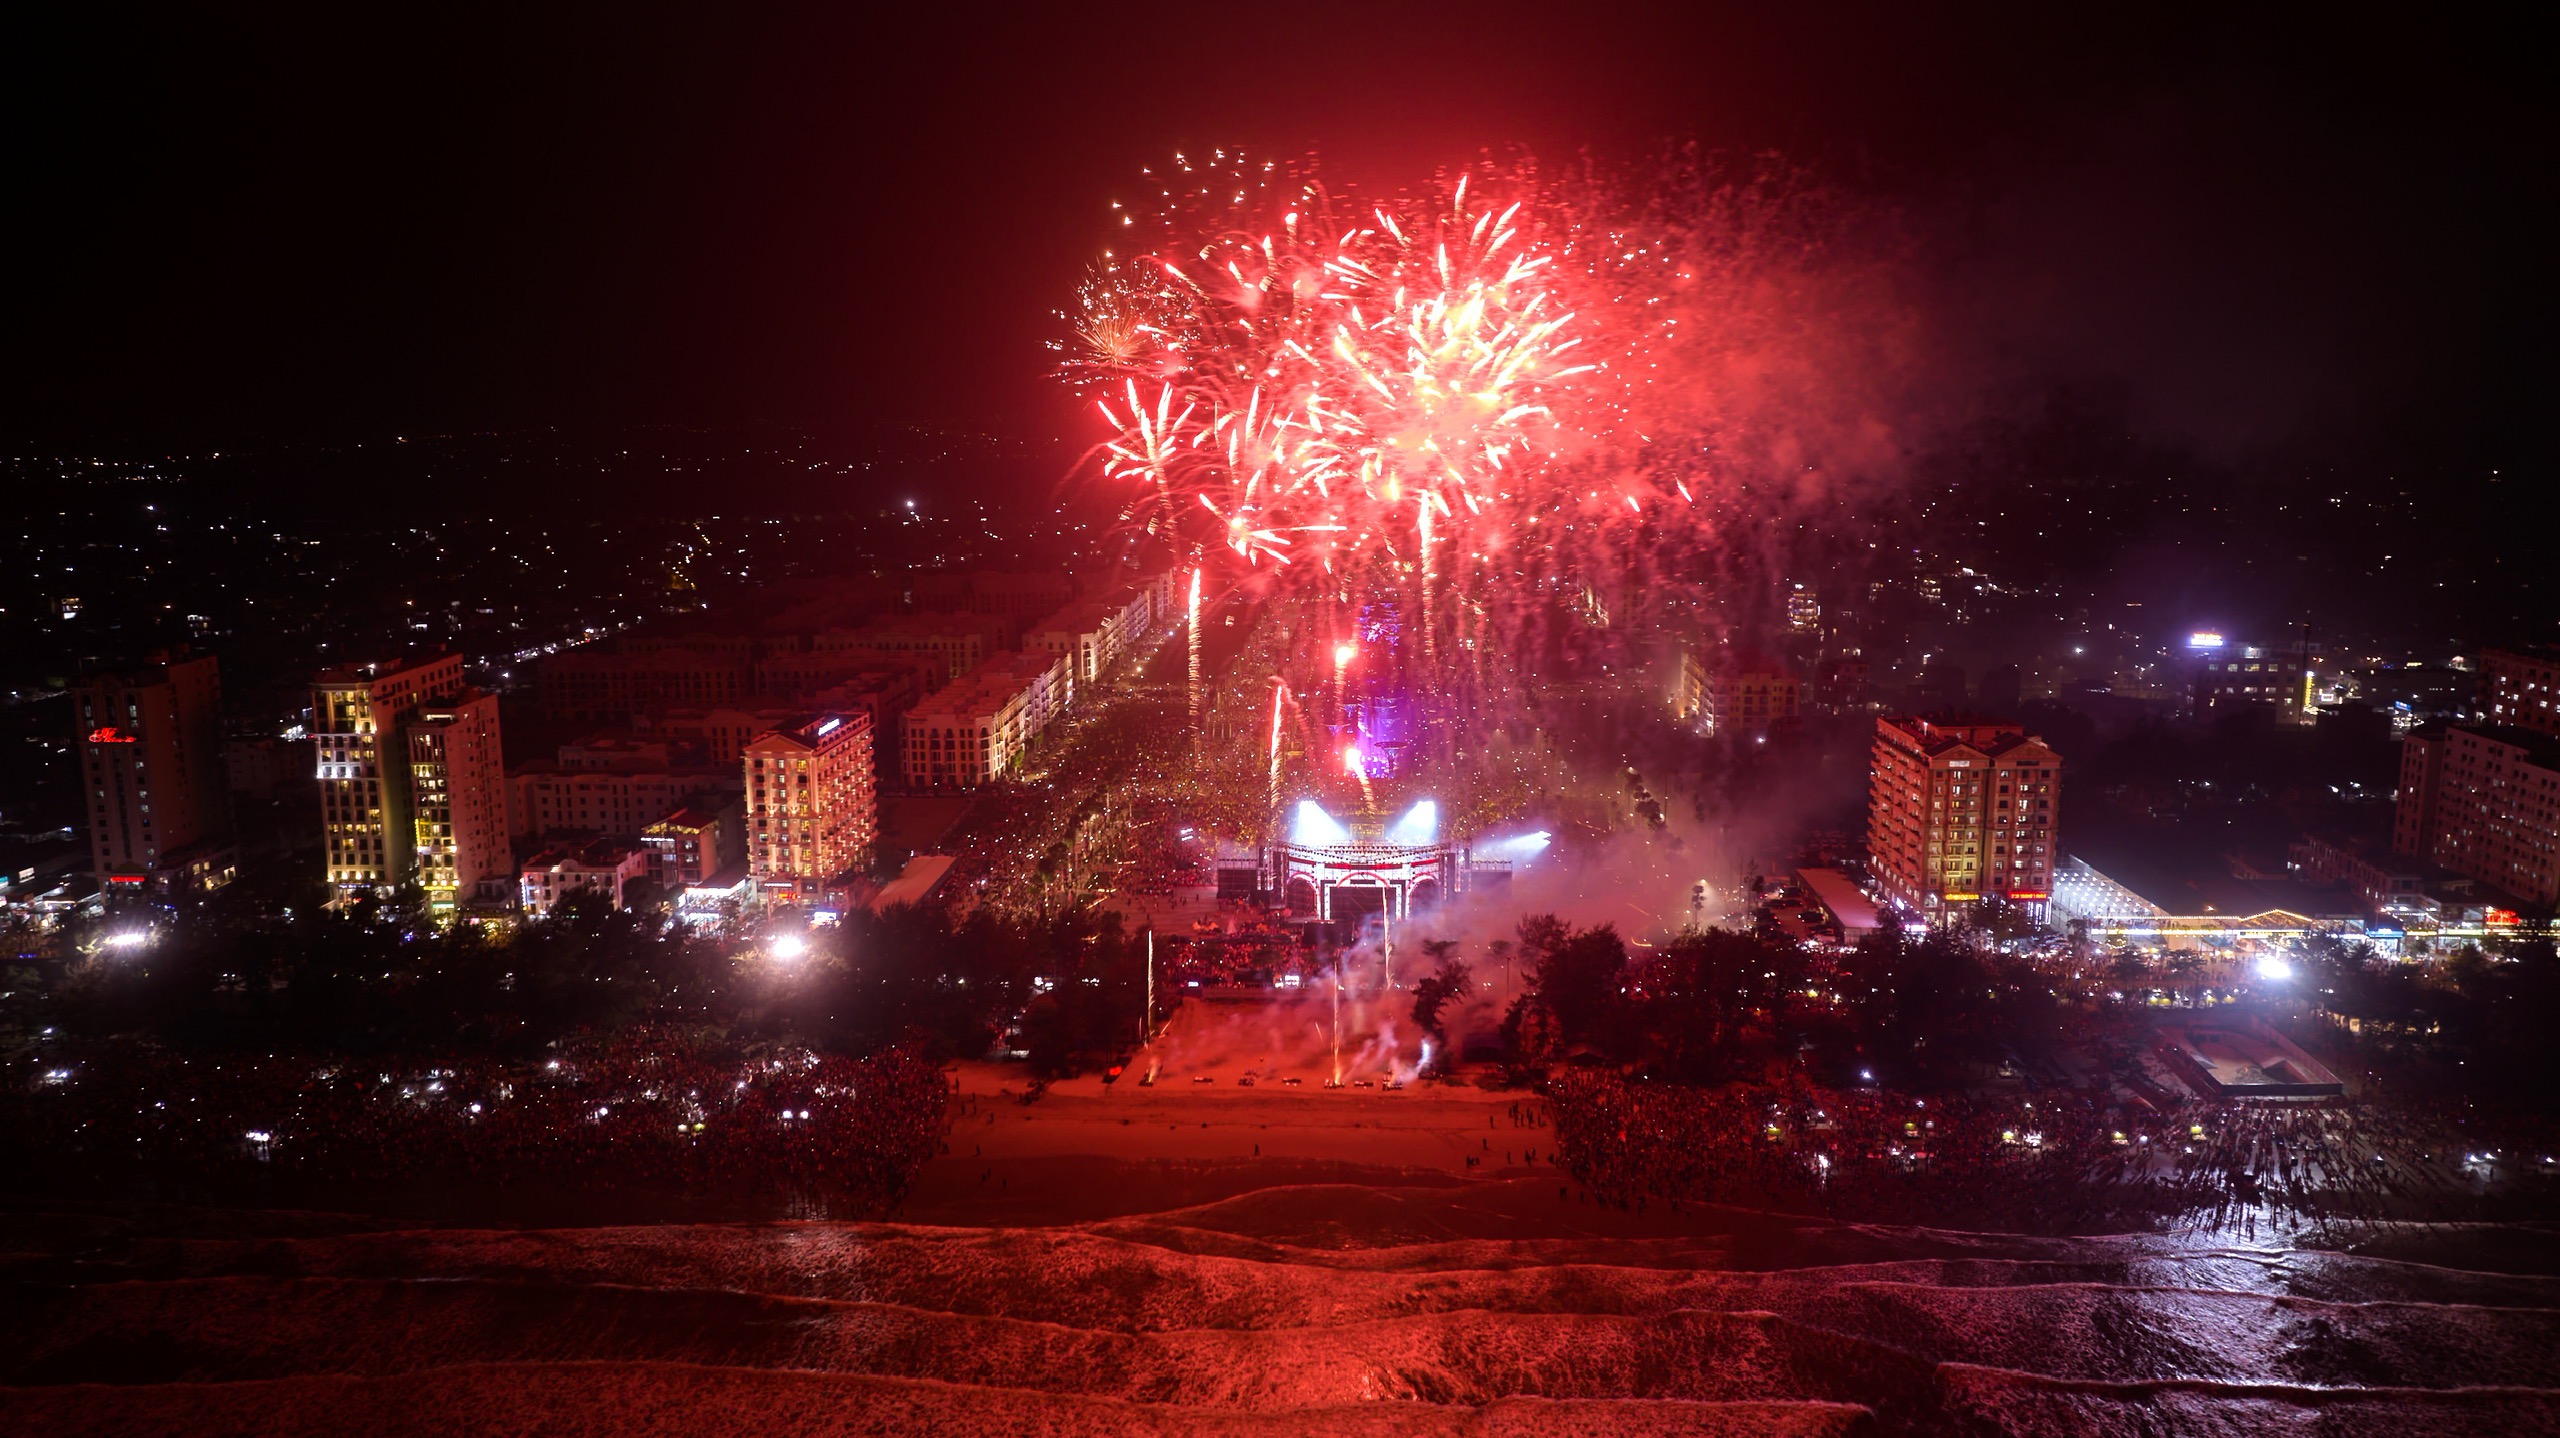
(2307, 237)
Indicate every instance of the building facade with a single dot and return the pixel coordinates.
(458, 789)
(1961, 809)
(812, 809)
(2414, 808)
(977, 730)
(605, 867)
(2381, 885)
(1738, 694)
(603, 684)
(545, 799)
(151, 752)
(2225, 677)
(961, 642)
(2523, 688)
(2484, 801)
(691, 846)
(1092, 634)
(1023, 597)
(359, 719)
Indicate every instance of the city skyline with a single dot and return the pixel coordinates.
(1623, 719)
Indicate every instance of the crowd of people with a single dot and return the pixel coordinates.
(636, 1110)
(2247, 1165)
(2073, 1162)
(1161, 853)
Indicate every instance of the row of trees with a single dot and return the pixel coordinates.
(367, 980)
(2476, 1024)
(1715, 1005)
(1922, 1013)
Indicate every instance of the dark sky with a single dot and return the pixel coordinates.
(2308, 230)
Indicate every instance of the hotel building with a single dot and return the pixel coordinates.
(1961, 809)
(812, 809)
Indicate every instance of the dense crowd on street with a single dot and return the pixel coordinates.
(639, 1110)
(2073, 1162)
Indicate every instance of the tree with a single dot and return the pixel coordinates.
(1432, 996)
(1528, 1036)
(1580, 978)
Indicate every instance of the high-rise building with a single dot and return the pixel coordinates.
(2413, 817)
(1960, 809)
(2524, 688)
(151, 760)
(458, 784)
(812, 807)
(2484, 801)
(359, 719)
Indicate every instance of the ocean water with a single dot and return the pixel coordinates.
(1375, 1306)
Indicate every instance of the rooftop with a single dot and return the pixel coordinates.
(2539, 748)
(915, 883)
(817, 729)
(356, 676)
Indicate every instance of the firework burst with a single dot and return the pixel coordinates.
(1542, 409)
(1307, 379)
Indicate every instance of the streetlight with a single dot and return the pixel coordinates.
(787, 947)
